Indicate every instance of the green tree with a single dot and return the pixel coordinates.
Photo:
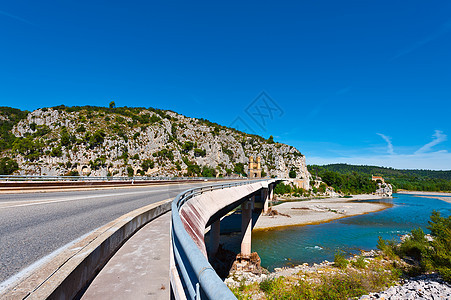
(147, 164)
(130, 171)
(200, 152)
(239, 169)
(112, 104)
(29, 148)
(56, 152)
(292, 173)
(8, 166)
(187, 146)
(96, 139)
(439, 255)
(65, 139)
(208, 172)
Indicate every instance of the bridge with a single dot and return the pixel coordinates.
(198, 205)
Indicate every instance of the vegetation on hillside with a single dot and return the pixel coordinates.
(415, 180)
(8, 118)
(177, 143)
(347, 183)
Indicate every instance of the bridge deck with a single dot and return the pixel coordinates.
(140, 268)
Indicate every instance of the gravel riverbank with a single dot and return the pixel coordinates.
(317, 211)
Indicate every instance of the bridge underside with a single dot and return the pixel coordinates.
(208, 208)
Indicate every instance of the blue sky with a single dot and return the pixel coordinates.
(362, 82)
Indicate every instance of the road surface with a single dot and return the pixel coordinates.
(34, 225)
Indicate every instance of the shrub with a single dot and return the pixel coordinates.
(415, 245)
(239, 169)
(96, 139)
(387, 247)
(340, 259)
(8, 166)
(271, 140)
(439, 256)
(56, 152)
(208, 172)
(66, 139)
(81, 128)
(130, 171)
(164, 153)
(282, 189)
(41, 130)
(72, 173)
(359, 263)
(199, 152)
(154, 119)
(98, 163)
(187, 146)
(193, 170)
(147, 164)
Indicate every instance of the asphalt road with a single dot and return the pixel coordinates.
(36, 224)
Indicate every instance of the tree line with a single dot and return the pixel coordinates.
(415, 180)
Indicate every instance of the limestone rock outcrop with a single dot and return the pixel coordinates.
(123, 141)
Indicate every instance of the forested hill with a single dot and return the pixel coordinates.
(417, 180)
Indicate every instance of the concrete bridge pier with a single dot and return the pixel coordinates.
(246, 226)
(267, 195)
(265, 198)
(271, 190)
(215, 231)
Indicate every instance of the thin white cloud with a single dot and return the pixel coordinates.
(423, 158)
(390, 149)
(15, 17)
(444, 29)
(438, 137)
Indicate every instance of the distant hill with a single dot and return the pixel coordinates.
(127, 141)
(419, 180)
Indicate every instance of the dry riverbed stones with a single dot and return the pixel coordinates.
(429, 286)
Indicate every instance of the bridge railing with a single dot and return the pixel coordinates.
(101, 178)
(196, 274)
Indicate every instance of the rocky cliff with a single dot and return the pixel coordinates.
(129, 141)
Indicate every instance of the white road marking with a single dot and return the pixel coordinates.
(57, 200)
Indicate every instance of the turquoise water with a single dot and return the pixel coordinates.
(316, 243)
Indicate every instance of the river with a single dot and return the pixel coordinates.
(316, 243)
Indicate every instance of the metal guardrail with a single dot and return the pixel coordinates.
(197, 275)
(101, 178)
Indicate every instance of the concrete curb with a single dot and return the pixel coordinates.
(69, 272)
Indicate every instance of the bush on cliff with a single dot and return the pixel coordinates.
(8, 166)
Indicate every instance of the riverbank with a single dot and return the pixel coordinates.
(316, 211)
(368, 272)
(371, 273)
(435, 195)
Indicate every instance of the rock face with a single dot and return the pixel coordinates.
(422, 287)
(384, 190)
(128, 141)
